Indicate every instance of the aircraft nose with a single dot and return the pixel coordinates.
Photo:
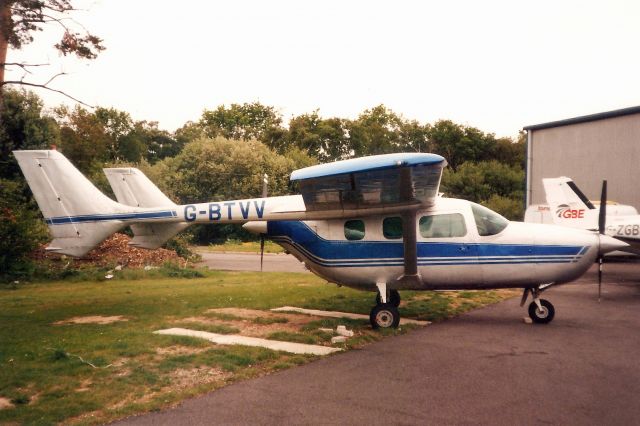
(609, 244)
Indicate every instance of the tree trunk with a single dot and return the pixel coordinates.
(5, 19)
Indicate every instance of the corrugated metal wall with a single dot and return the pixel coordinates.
(589, 152)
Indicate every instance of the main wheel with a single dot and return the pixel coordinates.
(384, 316)
(393, 299)
(544, 315)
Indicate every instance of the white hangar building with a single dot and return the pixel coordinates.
(587, 149)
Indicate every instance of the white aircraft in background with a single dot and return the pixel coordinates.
(570, 207)
(373, 223)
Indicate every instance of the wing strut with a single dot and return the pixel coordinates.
(409, 237)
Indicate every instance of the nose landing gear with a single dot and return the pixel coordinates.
(541, 311)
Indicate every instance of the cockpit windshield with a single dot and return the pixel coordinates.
(488, 221)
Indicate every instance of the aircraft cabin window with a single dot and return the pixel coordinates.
(392, 228)
(488, 221)
(443, 226)
(354, 229)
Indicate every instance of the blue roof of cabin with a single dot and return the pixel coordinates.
(365, 164)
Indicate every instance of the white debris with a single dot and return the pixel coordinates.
(149, 267)
(108, 276)
(527, 320)
(338, 339)
(118, 268)
(342, 330)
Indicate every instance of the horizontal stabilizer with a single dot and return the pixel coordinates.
(133, 188)
(154, 235)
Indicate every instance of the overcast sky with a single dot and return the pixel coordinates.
(495, 65)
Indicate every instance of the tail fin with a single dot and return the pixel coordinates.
(133, 188)
(79, 216)
(569, 206)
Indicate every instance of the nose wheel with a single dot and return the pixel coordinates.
(541, 311)
(542, 314)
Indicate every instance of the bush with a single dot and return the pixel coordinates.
(21, 230)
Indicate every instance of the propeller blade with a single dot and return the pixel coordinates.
(602, 217)
(602, 222)
(261, 250)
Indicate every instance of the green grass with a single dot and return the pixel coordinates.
(242, 247)
(46, 369)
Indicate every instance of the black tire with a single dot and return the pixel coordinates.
(393, 299)
(384, 316)
(541, 317)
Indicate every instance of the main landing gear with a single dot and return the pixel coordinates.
(541, 311)
(385, 314)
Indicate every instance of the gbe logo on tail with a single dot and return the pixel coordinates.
(566, 212)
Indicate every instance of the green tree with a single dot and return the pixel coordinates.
(511, 152)
(242, 122)
(84, 140)
(494, 184)
(21, 229)
(375, 131)
(381, 131)
(189, 132)
(117, 125)
(23, 125)
(325, 139)
(458, 143)
(158, 143)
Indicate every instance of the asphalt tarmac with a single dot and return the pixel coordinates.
(484, 367)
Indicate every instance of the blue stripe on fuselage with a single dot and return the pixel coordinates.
(60, 220)
(387, 253)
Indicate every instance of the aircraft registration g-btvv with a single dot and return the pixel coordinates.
(374, 223)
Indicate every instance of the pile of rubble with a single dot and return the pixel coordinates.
(116, 250)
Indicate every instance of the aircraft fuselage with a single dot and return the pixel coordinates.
(456, 256)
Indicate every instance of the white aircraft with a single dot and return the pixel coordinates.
(373, 223)
(570, 207)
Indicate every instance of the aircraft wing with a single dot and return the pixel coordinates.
(388, 180)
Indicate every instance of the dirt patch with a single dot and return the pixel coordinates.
(255, 323)
(92, 319)
(240, 312)
(186, 378)
(180, 350)
(84, 385)
(115, 250)
(5, 403)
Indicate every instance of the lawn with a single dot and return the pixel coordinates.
(53, 370)
(241, 247)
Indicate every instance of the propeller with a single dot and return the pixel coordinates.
(602, 218)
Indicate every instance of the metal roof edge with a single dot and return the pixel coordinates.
(585, 118)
